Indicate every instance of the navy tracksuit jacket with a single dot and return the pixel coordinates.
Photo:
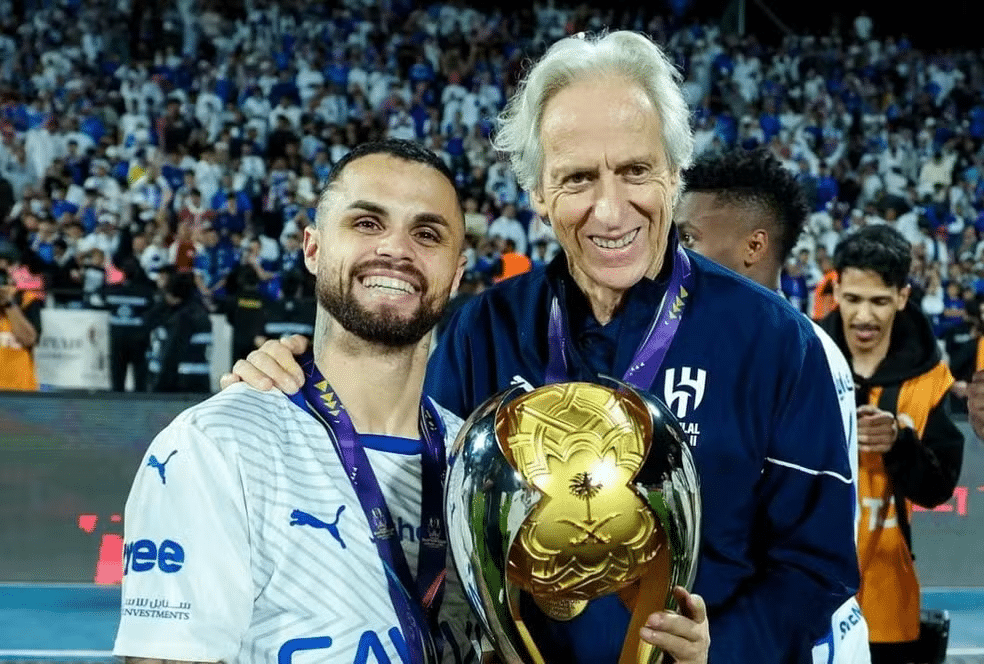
(749, 381)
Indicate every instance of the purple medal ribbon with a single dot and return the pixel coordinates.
(649, 356)
(417, 604)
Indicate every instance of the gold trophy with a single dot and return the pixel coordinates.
(566, 494)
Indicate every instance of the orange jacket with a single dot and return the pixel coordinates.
(16, 362)
(512, 265)
(823, 296)
(889, 592)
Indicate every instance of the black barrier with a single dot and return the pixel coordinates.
(67, 461)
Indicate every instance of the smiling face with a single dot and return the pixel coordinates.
(607, 187)
(387, 249)
(868, 308)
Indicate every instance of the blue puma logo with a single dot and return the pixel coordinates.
(299, 518)
(154, 463)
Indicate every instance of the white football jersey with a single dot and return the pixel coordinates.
(245, 542)
(847, 641)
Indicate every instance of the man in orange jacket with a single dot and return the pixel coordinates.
(20, 325)
(513, 263)
(910, 449)
(823, 294)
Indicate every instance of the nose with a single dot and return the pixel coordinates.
(394, 244)
(863, 313)
(609, 200)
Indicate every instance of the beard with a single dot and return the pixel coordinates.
(384, 327)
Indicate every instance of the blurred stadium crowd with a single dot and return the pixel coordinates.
(188, 147)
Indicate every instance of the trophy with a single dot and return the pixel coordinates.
(572, 507)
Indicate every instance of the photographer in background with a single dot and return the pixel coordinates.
(20, 328)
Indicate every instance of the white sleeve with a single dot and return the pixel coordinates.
(187, 586)
(843, 377)
(847, 640)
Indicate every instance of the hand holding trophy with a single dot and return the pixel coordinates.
(573, 511)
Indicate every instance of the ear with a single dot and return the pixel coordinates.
(756, 246)
(462, 261)
(837, 292)
(904, 293)
(311, 247)
(539, 203)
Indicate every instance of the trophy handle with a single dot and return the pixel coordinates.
(650, 597)
(513, 593)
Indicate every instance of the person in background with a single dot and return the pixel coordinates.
(973, 389)
(214, 261)
(744, 210)
(910, 449)
(823, 294)
(129, 336)
(180, 345)
(64, 281)
(975, 401)
(540, 257)
(511, 262)
(470, 286)
(20, 328)
(954, 308)
(488, 261)
(245, 308)
(93, 271)
(508, 227)
(792, 284)
(294, 312)
(964, 350)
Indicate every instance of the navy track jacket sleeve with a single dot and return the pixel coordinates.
(803, 547)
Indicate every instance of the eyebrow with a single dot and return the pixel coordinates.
(562, 170)
(575, 167)
(375, 208)
(368, 207)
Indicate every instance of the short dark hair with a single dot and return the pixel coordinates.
(758, 178)
(879, 248)
(394, 147)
